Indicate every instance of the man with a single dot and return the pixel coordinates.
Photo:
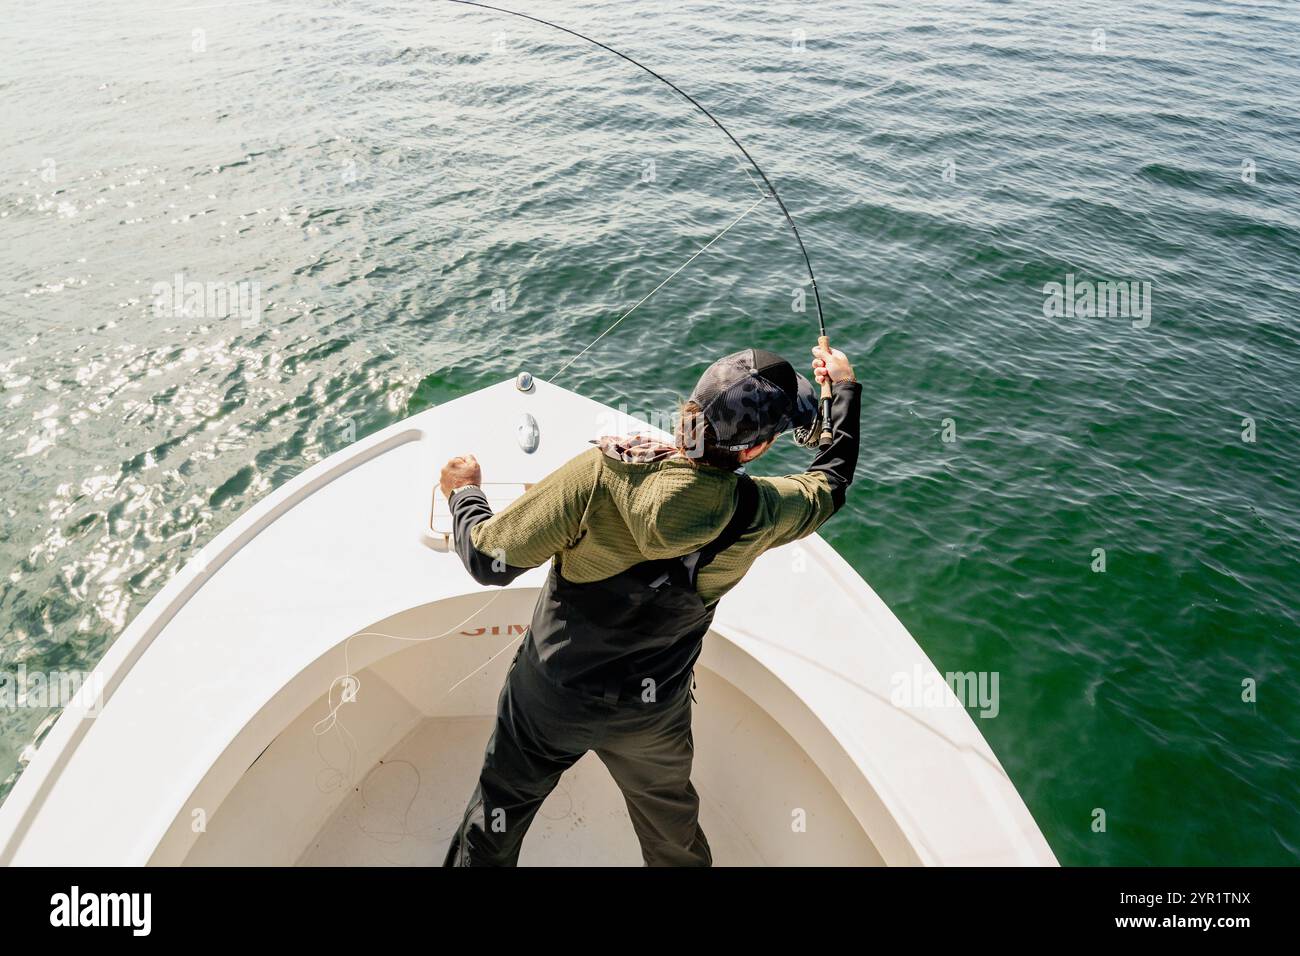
(644, 538)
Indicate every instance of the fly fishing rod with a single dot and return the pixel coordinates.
(811, 435)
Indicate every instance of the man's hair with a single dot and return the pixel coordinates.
(697, 441)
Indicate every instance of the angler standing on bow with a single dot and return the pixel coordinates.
(644, 539)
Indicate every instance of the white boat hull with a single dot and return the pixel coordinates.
(208, 746)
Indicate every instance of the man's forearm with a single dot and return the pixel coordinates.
(468, 508)
(839, 459)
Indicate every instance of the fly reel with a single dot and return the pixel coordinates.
(809, 436)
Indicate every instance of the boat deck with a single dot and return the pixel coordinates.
(753, 779)
(404, 812)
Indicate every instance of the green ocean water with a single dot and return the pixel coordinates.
(432, 198)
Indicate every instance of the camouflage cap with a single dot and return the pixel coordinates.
(753, 395)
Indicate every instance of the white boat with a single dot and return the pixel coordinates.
(318, 684)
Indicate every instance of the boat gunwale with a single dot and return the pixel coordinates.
(60, 744)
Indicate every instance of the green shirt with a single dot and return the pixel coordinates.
(597, 516)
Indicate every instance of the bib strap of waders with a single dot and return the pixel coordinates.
(683, 571)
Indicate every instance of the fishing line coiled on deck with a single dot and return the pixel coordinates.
(351, 685)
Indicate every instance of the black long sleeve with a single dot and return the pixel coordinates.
(468, 508)
(839, 459)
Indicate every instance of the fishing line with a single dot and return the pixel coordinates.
(698, 253)
(352, 685)
(812, 277)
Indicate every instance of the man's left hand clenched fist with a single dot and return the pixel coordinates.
(462, 470)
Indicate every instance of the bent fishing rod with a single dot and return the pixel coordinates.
(823, 340)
